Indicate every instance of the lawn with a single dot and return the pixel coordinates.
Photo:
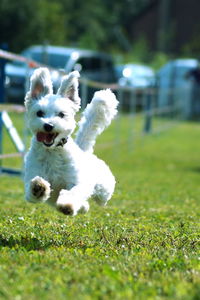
(143, 245)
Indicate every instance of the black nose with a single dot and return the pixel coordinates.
(48, 127)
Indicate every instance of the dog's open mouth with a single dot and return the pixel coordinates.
(46, 138)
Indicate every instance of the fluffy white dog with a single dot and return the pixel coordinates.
(58, 170)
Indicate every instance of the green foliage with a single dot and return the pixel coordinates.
(143, 245)
(192, 47)
(140, 53)
(159, 59)
(29, 22)
(95, 24)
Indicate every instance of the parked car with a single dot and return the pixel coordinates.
(135, 75)
(176, 87)
(134, 79)
(15, 81)
(96, 66)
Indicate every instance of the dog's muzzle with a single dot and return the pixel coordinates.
(47, 138)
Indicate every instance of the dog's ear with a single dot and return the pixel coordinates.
(69, 88)
(40, 84)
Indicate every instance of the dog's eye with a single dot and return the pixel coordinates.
(40, 113)
(61, 114)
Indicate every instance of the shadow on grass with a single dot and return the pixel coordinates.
(31, 243)
(194, 169)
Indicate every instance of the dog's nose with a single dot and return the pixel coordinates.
(48, 127)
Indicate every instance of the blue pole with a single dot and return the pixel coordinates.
(2, 96)
(148, 119)
(2, 75)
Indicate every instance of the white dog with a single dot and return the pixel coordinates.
(58, 170)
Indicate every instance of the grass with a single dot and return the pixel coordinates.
(143, 245)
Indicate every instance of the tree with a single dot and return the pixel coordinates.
(26, 22)
(96, 24)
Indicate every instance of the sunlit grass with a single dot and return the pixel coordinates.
(143, 245)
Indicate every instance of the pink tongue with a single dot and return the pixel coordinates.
(44, 137)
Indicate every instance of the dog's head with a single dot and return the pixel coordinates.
(51, 117)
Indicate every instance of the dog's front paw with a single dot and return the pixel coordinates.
(40, 189)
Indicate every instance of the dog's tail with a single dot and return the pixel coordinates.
(96, 117)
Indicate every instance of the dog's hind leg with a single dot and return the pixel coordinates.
(71, 202)
(72, 209)
(104, 191)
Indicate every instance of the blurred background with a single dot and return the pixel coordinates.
(132, 43)
(132, 29)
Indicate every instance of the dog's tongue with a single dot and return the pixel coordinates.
(45, 137)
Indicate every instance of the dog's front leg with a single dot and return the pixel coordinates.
(71, 202)
(38, 190)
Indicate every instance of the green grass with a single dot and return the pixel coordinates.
(143, 245)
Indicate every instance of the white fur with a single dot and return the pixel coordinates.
(66, 176)
(96, 117)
